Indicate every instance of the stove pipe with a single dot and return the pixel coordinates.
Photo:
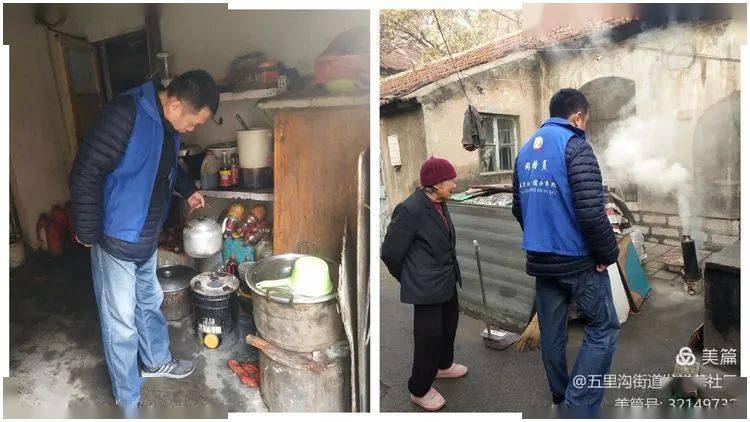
(690, 258)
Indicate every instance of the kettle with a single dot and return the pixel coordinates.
(202, 237)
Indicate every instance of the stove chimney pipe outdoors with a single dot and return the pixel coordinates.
(691, 272)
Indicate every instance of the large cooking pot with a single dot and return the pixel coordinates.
(287, 386)
(294, 323)
(202, 237)
(175, 283)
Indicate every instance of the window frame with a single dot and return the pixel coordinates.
(495, 141)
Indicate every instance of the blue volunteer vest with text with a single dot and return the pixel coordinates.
(549, 219)
(127, 190)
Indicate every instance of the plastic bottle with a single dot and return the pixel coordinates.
(210, 172)
(235, 171)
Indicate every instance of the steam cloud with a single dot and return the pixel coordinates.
(637, 152)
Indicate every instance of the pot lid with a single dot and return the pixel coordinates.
(190, 149)
(174, 277)
(214, 284)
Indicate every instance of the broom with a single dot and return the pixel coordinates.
(530, 337)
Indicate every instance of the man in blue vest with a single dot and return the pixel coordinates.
(558, 199)
(121, 184)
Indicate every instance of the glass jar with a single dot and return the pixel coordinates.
(268, 74)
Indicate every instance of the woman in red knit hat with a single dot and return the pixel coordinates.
(419, 250)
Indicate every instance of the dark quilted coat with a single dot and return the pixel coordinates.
(103, 147)
(585, 179)
(419, 250)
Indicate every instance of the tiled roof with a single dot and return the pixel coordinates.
(403, 83)
(398, 61)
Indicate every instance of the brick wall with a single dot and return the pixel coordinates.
(717, 233)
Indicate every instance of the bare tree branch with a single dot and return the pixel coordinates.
(415, 31)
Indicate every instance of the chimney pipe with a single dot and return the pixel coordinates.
(691, 272)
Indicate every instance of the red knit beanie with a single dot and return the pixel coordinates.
(436, 170)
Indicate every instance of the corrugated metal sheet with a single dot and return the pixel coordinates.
(509, 290)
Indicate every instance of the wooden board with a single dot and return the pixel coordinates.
(632, 273)
(315, 175)
(619, 296)
(345, 299)
(502, 187)
(637, 280)
(363, 282)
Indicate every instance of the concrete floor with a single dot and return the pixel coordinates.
(57, 363)
(510, 381)
(658, 256)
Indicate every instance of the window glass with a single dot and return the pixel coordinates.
(499, 152)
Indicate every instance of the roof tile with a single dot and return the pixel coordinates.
(403, 83)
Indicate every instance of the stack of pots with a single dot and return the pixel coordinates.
(298, 326)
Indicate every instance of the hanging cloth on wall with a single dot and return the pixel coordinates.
(474, 136)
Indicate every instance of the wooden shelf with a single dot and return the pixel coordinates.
(254, 93)
(239, 194)
(358, 98)
(248, 95)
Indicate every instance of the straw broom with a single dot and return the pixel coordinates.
(531, 336)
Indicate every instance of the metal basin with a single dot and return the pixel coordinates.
(297, 324)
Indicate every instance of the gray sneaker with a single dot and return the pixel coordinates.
(177, 368)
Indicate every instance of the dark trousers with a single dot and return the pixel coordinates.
(434, 334)
(592, 293)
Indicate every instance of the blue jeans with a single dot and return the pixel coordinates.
(591, 292)
(128, 296)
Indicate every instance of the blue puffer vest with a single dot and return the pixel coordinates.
(549, 218)
(127, 190)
